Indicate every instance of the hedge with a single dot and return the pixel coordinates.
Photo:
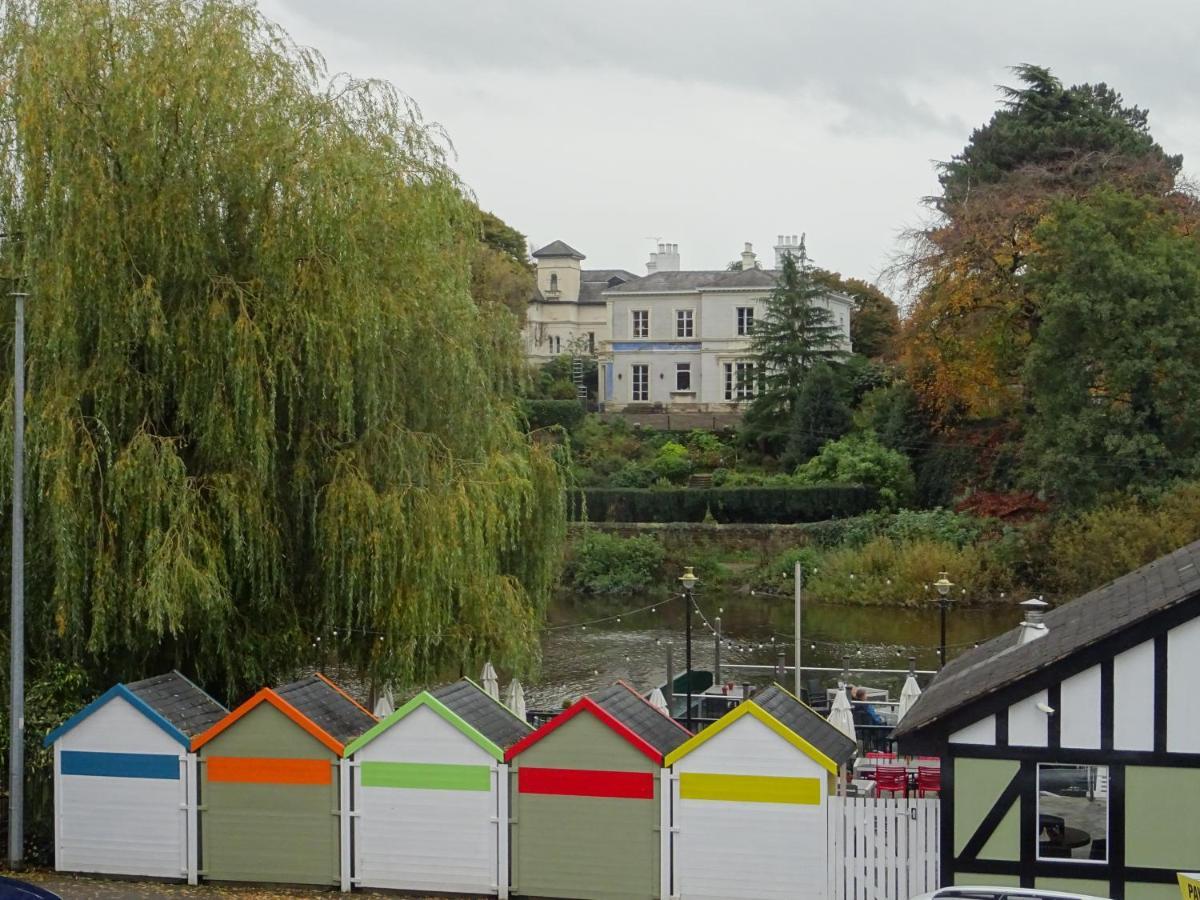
(546, 413)
(812, 503)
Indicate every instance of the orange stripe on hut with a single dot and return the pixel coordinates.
(265, 770)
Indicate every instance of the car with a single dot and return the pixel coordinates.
(11, 889)
(987, 892)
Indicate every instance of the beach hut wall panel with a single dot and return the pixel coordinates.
(121, 785)
(1095, 723)
(427, 794)
(749, 806)
(270, 784)
(586, 801)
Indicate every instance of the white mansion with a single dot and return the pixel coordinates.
(673, 339)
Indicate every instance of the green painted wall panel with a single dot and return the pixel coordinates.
(586, 743)
(1151, 891)
(1005, 842)
(1161, 817)
(1095, 887)
(593, 848)
(969, 878)
(268, 832)
(427, 776)
(978, 783)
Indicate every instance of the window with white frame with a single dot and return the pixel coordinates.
(739, 380)
(745, 320)
(683, 376)
(1072, 809)
(683, 323)
(640, 383)
(641, 323)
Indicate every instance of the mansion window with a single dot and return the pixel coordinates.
(683, 376)
(1072, 810)
(683, 323)
(641, 383)
(739, 380)
(641, 323)
(553, 281)
(745, 320)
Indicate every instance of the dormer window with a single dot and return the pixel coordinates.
(553, 281)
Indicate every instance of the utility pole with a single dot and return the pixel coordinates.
(16, 739)
(799, 579)
(717, 651)
(689, 579)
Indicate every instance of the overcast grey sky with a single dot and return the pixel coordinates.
(708, 123)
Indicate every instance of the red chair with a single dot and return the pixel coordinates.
(879, 754)
(891, 778)
(930, 758)
(929, 778)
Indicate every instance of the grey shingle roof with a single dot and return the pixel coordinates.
(625, 705)
(1072, 627)
(180, 702)
(557, 248)
(805, 722)
(487, 716)
(327, 708)
(697, 280)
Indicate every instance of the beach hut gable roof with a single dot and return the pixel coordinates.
(583, 704)
(170, 701)
(805, 722)
(626, 705)
(328, 707)
(481, 711)
(426, 699)
(789, 734)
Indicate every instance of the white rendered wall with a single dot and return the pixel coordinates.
(1183, 688)
(120, 826)
(439, 841)
(982, 733)
(1079, 710)
(729, 849)
(1027, 725)
(1133, 698)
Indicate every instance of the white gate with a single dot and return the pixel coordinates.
(883, 848)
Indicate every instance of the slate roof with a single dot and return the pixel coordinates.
(1081, 623)
(327, 707)
(805, 722)
(487, 716)
(180, 702)
(628, 707)
(557, 248)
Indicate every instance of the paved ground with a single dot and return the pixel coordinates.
(104, 889)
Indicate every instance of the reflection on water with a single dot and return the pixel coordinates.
(578, 659)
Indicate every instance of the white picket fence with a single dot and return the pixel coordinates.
(883, 848)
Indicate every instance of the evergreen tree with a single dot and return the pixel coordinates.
(794, 334)
(822, 414)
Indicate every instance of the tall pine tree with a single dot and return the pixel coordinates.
(796, 332)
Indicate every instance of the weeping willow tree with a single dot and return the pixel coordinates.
(267, 425)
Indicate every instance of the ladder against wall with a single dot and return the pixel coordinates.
(883, 848)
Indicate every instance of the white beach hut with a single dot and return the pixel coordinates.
(748, 810)
(431, 794)
(125, 780)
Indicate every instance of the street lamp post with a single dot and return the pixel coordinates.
(943, 585)
(688, 579)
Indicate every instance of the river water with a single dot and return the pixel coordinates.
(578, 658)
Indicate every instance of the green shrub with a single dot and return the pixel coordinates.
(783, 566)
(728, 505)
(706, 449)
(672, 462)
(632, 475)
(860, 459)
(568, 414)
(942, 525)
(609, 564)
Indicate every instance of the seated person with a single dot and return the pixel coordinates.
(864, 713)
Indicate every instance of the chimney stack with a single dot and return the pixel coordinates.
(1033, 626)
(665, 259)
(748, 258)
(787, 245)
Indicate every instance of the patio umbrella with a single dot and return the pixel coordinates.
(658, 701)
(515, 699)
(385, 705)
(841, 715)
(908, 696)
(491, 681)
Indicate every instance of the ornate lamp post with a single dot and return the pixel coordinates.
(688, 579)
(943, 585)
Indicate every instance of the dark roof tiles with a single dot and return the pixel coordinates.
(629, 708)
(474, 706)
(326, 707)
(179, 701)
(1082, 622)
(557, 248)
(806, 723)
